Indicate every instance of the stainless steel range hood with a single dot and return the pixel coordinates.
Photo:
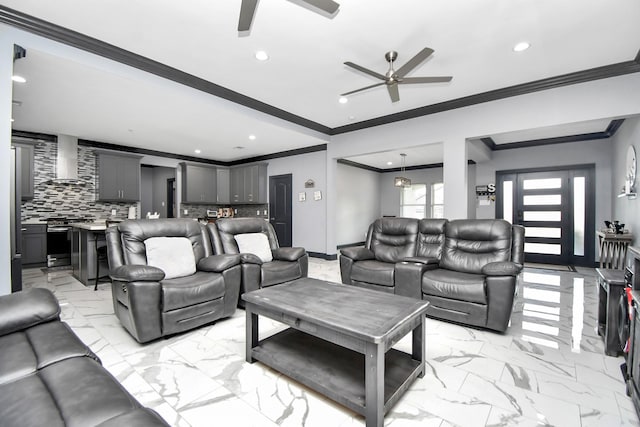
(66, 167)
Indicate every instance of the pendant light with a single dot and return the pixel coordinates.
(401, 181)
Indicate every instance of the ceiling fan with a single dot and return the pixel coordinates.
(248, 10)
(393, 78)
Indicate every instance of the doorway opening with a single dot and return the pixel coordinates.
(171, 197)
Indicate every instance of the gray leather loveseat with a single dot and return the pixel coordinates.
(166, 278)
(466, 269)
(264, 262)
(48, 377)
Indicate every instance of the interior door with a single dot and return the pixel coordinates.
(556, 207)
(280, 199)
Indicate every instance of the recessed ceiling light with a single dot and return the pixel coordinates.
(389, 163)
(261, 55)
(343, 100)
(198, 151)
(521, 46)
(238, 147)
(352, 117)
(18, 79)
(252, 137)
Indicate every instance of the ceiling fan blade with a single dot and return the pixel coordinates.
(414, 62)
(412, 80)
(361, 89)
(393, 92)
(247, 11)
(328, 6)
(365, 70)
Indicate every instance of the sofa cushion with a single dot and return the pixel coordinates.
(454, 285)
(393, 239)
(255, 243)
(376, 272)
(276, 272)
(173, 255)
(200, 287)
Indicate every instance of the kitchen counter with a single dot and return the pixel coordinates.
(91, 226)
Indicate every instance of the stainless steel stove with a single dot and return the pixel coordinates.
(59, 240)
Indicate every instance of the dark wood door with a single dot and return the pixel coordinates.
(280, 207)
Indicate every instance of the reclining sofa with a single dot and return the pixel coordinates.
(467, 269)
(166, 278)
(48, 377)
(264, 262)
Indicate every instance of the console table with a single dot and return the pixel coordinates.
(613, 249)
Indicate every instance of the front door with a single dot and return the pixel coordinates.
(556, 207)
(280, 207)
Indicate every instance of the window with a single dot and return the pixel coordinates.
(413, 201)
(437, 200)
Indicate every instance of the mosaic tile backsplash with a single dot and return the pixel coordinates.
(70, 201)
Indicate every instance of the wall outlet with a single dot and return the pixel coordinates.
(186, 211)
(258, 212)
(113, 212)
(162, 204)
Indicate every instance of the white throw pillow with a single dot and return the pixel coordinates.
(255, 243)
(173, 255)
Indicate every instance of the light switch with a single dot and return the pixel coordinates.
(186, 211)
(113, 212)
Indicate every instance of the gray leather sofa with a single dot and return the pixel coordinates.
(466, 269)
(286, 264)
(48, 377)
(150, 303)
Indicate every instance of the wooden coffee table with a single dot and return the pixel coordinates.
(339, 341)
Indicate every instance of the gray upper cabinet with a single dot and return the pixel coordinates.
(24, 160)
(249, 184)
(223, 185)
(118, 177)
(199, 184)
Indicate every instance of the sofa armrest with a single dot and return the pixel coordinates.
(288, 254)
(137, 273)
(250, 259)
(432, 261)
(218, 263)
(504, 268)
(357, 254)
(30, 307)
(408, 278)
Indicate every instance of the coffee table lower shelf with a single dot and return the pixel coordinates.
(334, 371)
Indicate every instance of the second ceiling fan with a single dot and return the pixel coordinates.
(248, 10)
(393, 77)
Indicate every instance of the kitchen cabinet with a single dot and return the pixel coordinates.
(223, 186)
(24, 162)
(249, 184)
(118, 177)
(199, 184)
(34, 244)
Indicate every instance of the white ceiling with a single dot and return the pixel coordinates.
(305, 74)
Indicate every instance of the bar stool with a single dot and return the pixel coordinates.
(101, 255)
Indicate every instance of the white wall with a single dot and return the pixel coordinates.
(309, 217)
(625, 210)
(358, 195)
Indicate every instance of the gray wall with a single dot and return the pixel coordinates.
(146, 190)
(358, 194)
(626, 210)
(309, 217)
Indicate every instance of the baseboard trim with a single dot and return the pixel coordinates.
(350, 245)
(328, 257)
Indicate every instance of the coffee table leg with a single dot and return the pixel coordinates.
(251, 339)
(418, 344)
(374, 385)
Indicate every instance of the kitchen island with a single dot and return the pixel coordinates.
(85, 238)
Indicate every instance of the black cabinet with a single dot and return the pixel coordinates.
(199, 184)
(24, 162)
(34, 244)
(118, 177)
(249, 184)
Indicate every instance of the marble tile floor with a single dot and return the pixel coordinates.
(548, 369)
